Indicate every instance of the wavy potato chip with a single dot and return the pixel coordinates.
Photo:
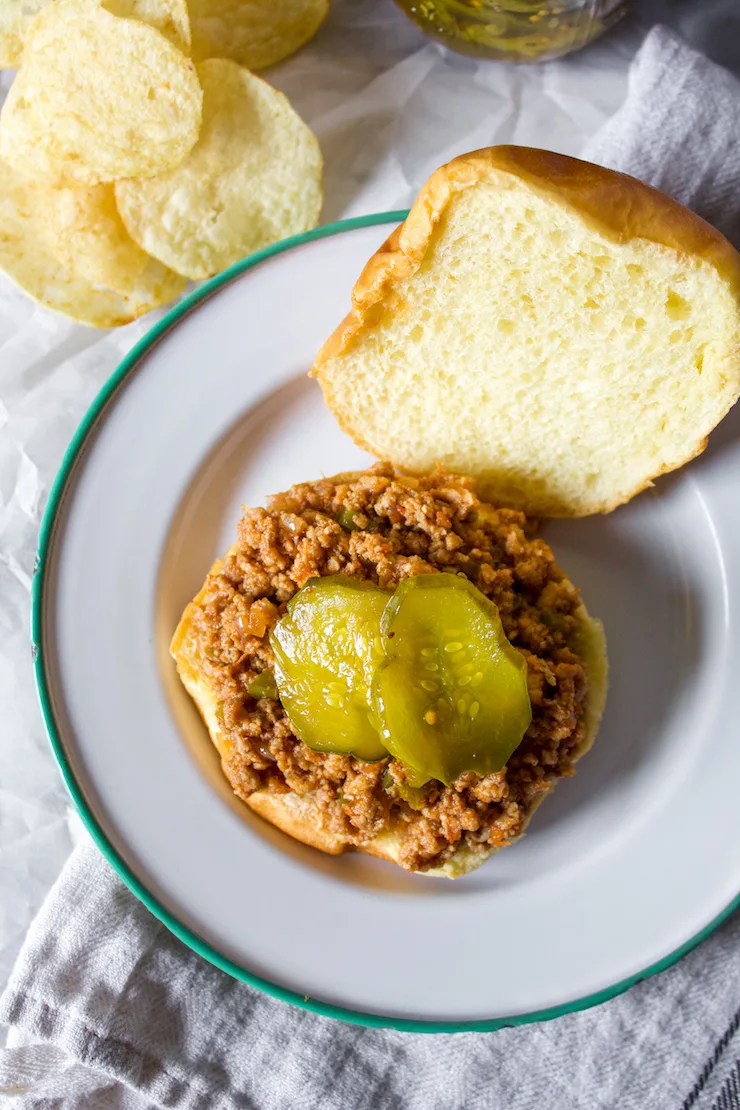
(98, 98)
(253, 177)
(169, 17)
(28, 257)
(254, 33)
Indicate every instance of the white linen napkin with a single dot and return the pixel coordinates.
(120, 1004)
(679, 130)
(108, 1009)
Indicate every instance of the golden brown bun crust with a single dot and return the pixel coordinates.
(619, 206)
(299, 817)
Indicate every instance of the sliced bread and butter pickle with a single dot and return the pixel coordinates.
(420, 672)
(364, 672)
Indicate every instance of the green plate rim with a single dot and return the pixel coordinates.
(182, 932)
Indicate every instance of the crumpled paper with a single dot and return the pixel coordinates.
(388, 107)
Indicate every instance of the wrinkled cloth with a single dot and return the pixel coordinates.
(110, 991)
(106, 1008)
(678, 130)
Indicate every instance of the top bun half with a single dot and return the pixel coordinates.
(560, 332)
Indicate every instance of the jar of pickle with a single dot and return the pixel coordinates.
(515, 30)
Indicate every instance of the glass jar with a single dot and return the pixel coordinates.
(515, 30)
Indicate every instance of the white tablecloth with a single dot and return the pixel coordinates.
(388, 107)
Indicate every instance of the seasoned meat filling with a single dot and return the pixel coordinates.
(382, 528)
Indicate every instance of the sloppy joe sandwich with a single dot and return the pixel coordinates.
(289, 651)
(391, 661)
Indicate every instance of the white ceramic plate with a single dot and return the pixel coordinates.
(623, 869)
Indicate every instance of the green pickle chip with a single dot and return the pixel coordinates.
(451, 693)
(327, 649)
(426, 675)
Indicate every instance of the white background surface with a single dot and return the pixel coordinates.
(388, 107)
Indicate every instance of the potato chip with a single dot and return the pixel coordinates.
(254, 33)
(28, 258)
(98, 98)
(253, 177)
(15, 16)
(87, 236)
(170, 17)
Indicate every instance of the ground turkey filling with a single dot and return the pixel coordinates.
(381, 528)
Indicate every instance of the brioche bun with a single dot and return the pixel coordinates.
(558, 331)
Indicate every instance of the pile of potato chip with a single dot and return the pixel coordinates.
(137, 148)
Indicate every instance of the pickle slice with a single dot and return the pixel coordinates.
(327, 648)
(451, 694)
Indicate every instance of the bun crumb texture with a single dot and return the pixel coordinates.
(560, 332)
